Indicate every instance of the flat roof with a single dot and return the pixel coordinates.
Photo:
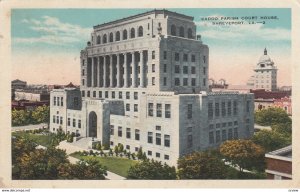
(155, 11)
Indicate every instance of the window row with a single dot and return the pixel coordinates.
(187, 69)
(105, 94)
(222, 135)
(185, 82)
(157, 155)
(74, 123)
(136, 132)
(57, 119)
(112, 37)
(158, 139)
(218, 109)
(181, 32)
(223, 124)
(185, 57)
(58, 101)
(159, 110)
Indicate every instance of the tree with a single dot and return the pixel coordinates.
(150, 169)
(20, 117)
(139, 154)
(271, 116)
(201, 165)
(271, 140)
(283, 128)
(243, 153)
(89, 169)
(41, 114)
(116, 149)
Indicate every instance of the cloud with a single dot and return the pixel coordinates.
(53, 31)
(240, 32)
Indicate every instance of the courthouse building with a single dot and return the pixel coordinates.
(144, 83)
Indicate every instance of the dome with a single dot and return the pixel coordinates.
(265, 57)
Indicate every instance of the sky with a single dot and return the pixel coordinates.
(46, 43)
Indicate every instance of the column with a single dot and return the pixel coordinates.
(92, 82)
(96, 72)
(118, 70)
(99, 72)
(142, 72)
(104, 71)
(125, 71)
(133, 71)
(111, 77)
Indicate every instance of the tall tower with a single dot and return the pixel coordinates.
(265, 73)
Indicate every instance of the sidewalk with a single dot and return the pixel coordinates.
(29, 127)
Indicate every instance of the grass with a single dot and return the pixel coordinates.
(116, 165)
(44, 140)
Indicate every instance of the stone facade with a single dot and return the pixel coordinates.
(144, 83)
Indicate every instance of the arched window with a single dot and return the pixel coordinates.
(190, 33)
(104, 40)
(181, 32)
(111, 37)
(140, 34)
(173, 30)
(124, 34)
(132, 33)
(98, 39)
(118, 36)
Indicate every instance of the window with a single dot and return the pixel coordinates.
(185, 57)
(136, 149)
(165, 68)
(181, 32)
(204, 82)
(211, 137)
(127, 107)
(189, 141)
(158, 128)
(218, 125)
(135, 95)
(127, 95)
(135, 107)
(118, 36)
(210, 110)
(82, 72)
(190, 33)
(218, 136)
(176, 56)
(111, 37)
(127, 147)
(150, 109)
(193, 82)
(229, 124)
(75, 101)
(193, 70)
(167, 110)
(229, 108)
(61, 101)
(100, 94)
(185, 70)
(69, 121)
(61, 120)
(235, 133)
(153, 68)
(113, 94)
(165, 81)
(128, 133)
(158, 139)
(137, 134)
(119, 131)
(153, 54)
(94, 93)
(106, 94)
(223, 124)
(193, 58)
(83, 93)
(158, 110)
(150, 137)
(153, 80)
(190, 111)
(211, 126)
(79, 123)
(185, 81)
(165, 55)
(248, 106)
(223, 109)
(140, 33)
(112, 129)
(149, 153)
(132, 33)
(235, 123)
(223, 135)
(157, 155)
(125, 34)
(177, 69)
(167, 140)
(204, 70)
(173, 30)
(229, 133)
(120, 94)
(234, 107)
(177, 82)
(167, 157)
(54, 101)
(104, 39)
(217, 109)
(74, 122)
(53, 118)
(204, 59)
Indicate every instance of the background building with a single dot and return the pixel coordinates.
(144, 84)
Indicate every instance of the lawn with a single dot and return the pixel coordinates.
(44, 140)
(116, 165)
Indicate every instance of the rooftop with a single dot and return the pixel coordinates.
(155, 11)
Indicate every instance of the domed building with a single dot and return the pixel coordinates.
(265, 73)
